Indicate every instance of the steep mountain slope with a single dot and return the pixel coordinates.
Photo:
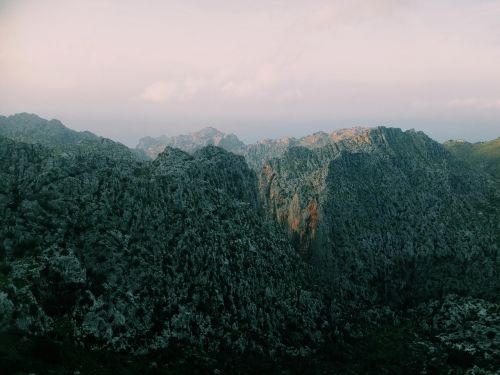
(135, 256)
(483, 156)
(387, 217)
(29, 128)
(191, 142)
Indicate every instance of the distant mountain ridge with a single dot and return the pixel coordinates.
(191, 142)
(255, 154)
(482, 155)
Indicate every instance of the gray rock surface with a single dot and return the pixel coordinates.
(152, 147)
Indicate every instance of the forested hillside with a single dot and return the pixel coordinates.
(361, 251)
(483, 156)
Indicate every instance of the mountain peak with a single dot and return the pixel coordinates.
(191, 142)
(30, 128)
(208, 131)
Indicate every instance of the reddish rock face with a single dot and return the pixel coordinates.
(294, 214)
(300, 215)
(313, 219)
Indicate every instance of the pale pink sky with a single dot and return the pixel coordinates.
(125, 69)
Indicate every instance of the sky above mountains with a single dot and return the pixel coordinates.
(125, 69)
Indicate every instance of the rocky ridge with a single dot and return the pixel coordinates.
(152, 147)
(256, 154)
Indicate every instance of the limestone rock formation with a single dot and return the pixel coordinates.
(152, 147)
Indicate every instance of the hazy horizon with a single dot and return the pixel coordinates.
(125, 70)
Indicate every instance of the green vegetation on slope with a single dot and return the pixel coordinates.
(483, 156)
(29, 128)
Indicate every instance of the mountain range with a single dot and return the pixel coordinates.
(367, 250)
(480, 155)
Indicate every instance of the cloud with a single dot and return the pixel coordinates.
(263, 79)
(188, 89)
(474, 103)
(158, 92)
(172, 91)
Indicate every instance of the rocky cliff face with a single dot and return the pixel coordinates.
(387, 217)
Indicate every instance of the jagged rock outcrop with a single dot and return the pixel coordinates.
(191, 142)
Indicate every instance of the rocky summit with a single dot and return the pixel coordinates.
(366, 250)
(152, 147)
